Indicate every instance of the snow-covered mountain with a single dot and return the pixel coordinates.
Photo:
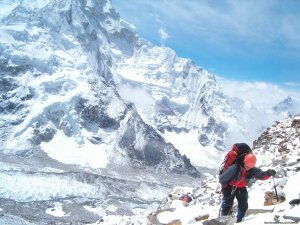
(184, 96)
(175, 96)
(57, 88)
(67, 137)
(183, 101)
(74, 147)
(286, 107)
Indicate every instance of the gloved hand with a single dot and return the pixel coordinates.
(271, 172)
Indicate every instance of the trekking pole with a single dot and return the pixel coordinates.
(275, 190)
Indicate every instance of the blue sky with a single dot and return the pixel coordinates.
(257, 41)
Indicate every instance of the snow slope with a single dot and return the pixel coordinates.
(207, 194)
(278, 148)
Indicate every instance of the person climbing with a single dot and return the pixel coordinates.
(234, 181)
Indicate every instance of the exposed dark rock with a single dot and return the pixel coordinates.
(146, 147)
(12, 70)
(42, 133)
(66, 127)
(95, 115)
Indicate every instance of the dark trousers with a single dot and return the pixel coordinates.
(241, 194)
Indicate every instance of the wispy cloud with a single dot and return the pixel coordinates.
(292, 84)
(137, 96)
(259, 98)
(163, 35)
(261, 94)
(250, 23)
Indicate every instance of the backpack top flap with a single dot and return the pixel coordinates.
(242, 150)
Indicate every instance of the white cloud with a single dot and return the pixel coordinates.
(163, 35)
(262, 95)
(255, 112)
(293, 84)
(138, 96)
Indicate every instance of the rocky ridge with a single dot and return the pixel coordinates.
(278, 148)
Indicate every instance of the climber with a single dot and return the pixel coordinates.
(234, 181)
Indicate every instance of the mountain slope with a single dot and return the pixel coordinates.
(67, 137)
(183, 95)
(57, 86)
(278, 148)
(287, 107)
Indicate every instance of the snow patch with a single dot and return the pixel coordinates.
(67, 150)
(97, 210)
(57, 210)
(188, 144)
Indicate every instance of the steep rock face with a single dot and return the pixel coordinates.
(70, 23)
(184, 96)
(147, 148)
(207, 110)
(56, 85)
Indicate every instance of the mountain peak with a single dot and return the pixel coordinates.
(285, 107)
(80, 14)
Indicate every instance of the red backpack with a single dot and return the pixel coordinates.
(236, 155)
